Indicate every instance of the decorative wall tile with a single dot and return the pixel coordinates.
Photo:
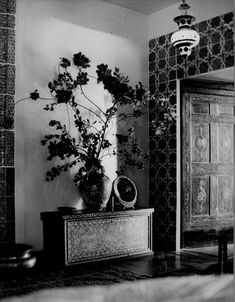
(10, 79)
(172, 86)
(152, 67)
(7, 199)
(161, 53)
(7, 209)
(202, 26)
(7, 232)
(163, 76)
(152, 56)
(2, 174)
(172, 61)
(3, 79)
(2, 209)
(152, 44)
(228, 33)
(3, 231)
(7, 20)
(7, 79)
(9, 147)
(152, 80)
(6, 148)
(204, 67)
(11, 47)
(10, 181)
(2, 148)
(7, 91)
(152, 89)
(6, 112)
(215, 51)
(229, 61)
(2, 188)
(10, 209)
(172, 51)
(4, 44)
(229, 45)
(228, 19)
(216, 63)
(8, 6)
(181, 73)
(204, 40)
(192, 70)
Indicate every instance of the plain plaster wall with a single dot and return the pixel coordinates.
(45, 31)
(161, 22)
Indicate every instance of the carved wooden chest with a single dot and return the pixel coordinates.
(85, 237)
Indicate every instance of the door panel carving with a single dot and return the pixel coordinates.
(225, 110)
(207, 160)
(200, 196)
(200, 145)
(225, 143)
(225, 194)
(200, 108)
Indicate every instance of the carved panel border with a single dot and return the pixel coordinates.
(106, 238)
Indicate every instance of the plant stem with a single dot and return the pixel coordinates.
(109, 153)
(120, 119)
(71, 139)
(79, 148)
(105, 128)
(21, 100)
(115, 147)
(28, 98)
(91, 112)
(102, 137)
(67, 109)
(90, 76)
(91, 126)
(115, 124)
(58, 68)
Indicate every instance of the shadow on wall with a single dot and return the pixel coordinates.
(135, 174)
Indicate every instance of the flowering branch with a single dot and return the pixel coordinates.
(93, 144)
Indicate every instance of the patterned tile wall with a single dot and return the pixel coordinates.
(7, 92)
(215, 51)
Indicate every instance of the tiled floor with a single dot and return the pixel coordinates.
(199, 261)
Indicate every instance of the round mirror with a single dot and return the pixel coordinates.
(125, 190)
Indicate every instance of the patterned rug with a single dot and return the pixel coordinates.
(22, 283)
(43, 276)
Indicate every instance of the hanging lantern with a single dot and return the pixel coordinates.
(185, 38)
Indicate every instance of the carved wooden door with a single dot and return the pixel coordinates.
(207, 161)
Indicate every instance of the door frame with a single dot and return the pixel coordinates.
(179, 165)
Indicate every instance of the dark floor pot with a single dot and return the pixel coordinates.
(17, 256)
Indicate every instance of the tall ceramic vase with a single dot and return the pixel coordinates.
(96, 190)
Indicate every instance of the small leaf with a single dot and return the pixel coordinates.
(34, 95)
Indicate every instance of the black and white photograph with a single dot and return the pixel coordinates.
(117, 150)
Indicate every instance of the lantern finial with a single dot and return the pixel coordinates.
(185, 38)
